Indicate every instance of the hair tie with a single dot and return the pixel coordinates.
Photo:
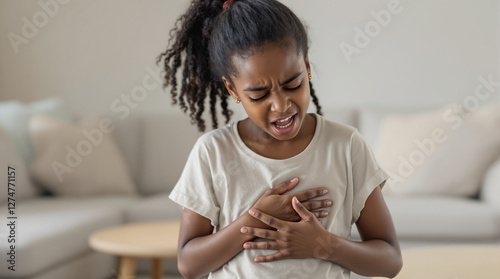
(227, 3)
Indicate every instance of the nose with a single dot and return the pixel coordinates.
(280, 102)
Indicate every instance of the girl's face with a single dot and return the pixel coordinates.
(273, 87)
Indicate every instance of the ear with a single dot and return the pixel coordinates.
(230, 88)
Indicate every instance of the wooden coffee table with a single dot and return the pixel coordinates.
(453, 262)
(155, 240)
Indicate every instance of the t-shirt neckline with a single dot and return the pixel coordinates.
(297, 158)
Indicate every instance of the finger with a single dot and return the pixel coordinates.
(258, 232)
(270, 258)
(267, 219)
(301, 210)
(320, 213)
(312, 205)
(310, 194)
(285, 186)
(266, 245)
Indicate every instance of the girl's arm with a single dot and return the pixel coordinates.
(201, 251)
(377, 255)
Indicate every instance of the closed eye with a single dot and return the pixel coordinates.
(265, 95)
(258, 99)
(295, 88)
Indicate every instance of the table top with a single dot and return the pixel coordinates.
(146, 240)
(451, 261)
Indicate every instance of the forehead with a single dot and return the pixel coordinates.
(269, 61)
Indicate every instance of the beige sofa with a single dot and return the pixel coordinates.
(52, 230)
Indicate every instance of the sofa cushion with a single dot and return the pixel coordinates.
(50, 230)
(154, 208)
(78, 160)
(442, 218)
(369, 123)
(14, 171)
(15, 116)
(166, 142)
(440, 152)
(128, 138)
(490, 190)
(103, 266)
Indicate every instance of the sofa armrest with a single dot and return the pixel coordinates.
(490, 191)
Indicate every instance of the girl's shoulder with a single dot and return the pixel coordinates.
(332, 129)
(218, 139)
(343, 136)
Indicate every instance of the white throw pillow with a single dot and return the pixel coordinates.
(15, 117)
(78, 160)
(490, 192)
(442, 152)
(13, 171)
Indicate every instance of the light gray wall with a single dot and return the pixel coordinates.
(93, 52)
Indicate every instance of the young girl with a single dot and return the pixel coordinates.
(264, 181)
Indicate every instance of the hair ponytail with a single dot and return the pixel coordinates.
(191, 35)
(209, 36)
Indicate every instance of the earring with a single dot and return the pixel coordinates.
(237, 101)
(310, 76)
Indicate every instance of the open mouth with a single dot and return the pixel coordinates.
(285, 125)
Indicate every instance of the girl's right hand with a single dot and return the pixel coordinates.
(277, 204)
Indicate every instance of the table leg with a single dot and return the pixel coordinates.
(127, 268)
(157, 269)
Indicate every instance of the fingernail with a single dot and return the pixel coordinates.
(296, 200)
(325, 213)
(257, 260)
(246, 245)
(252, 212)
(328, 203)
(293, 180)
(325, 192)
(244, 230)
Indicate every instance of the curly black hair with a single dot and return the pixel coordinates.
(207, 36)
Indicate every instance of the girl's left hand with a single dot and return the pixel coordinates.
(294, 240)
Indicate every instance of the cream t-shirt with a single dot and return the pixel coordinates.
(223, 179)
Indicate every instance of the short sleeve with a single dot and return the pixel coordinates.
(366, 174)
(194, 190)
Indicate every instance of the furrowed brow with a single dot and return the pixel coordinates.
(264, 88)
